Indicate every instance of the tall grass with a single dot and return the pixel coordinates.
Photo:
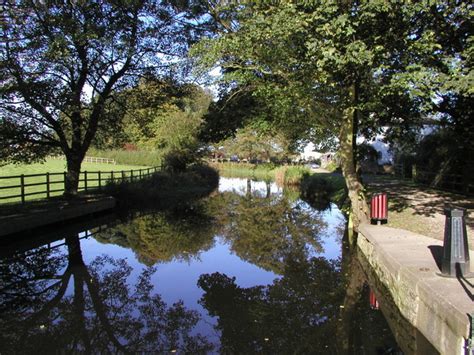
(290, 175)
(242, 170)
(129, 157)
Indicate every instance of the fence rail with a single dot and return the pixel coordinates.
(32, 186)
(449, 182)
(88, 159)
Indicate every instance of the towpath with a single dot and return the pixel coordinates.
(421, 209)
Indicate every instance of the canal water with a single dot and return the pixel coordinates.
(249, 269)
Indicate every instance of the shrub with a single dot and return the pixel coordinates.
(320, 189)
(332, 167)
(206, 174)
(295, 174)
(164, 188)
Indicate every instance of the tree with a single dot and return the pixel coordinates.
(255, 143)
(235, 108)
(61, 61)
(157, 114)
(332, 70)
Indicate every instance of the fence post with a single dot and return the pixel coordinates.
(85, 180)
(100, 181)
(112, 176)
(22, 183)
(47, 186)
(140, 173)
(64, 174)
(123, 176)
(131, 175)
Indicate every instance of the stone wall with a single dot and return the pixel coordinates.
(407, 273)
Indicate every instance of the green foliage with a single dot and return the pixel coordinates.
(330, 71)
(165, 189)
(332, 166)
(60, 64)
(158, 114)
(256, 143)
(177, 161)
(246, 170)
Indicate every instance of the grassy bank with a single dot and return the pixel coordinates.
(49, 166)
(282, 175)
(129, 157)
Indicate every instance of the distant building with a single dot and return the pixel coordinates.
(327, 158)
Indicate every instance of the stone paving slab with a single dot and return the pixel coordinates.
(407, 263)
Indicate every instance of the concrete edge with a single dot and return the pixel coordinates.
(57, 214)
(425, 299)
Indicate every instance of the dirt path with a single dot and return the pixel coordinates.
(421, 209)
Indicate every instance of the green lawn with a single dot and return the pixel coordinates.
(56, 181)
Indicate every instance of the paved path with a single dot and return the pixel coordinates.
(408, 264)
(421, 209)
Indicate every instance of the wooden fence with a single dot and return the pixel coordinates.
(33, 186)
(448, 182)
(88, 159)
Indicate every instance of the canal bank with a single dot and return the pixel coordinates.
(47, 213)
(407, 264)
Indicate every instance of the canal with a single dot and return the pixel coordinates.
(250, 269)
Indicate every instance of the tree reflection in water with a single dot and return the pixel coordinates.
(296, 314)
(179, 234)
(264, 231)
(52, 302)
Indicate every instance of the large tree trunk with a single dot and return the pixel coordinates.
(360, 209)
(71, 183)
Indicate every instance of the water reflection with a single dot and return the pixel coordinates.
(295, 314)
(265, 231)
(244, 271)
(51, 301)
(179, 234)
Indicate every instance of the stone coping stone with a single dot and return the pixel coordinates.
(54, 213)
(438, 306)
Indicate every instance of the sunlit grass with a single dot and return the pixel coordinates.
(242, 170)
(52, 166)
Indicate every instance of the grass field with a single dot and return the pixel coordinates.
(56, 181)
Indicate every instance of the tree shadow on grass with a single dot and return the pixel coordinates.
(422, 200)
